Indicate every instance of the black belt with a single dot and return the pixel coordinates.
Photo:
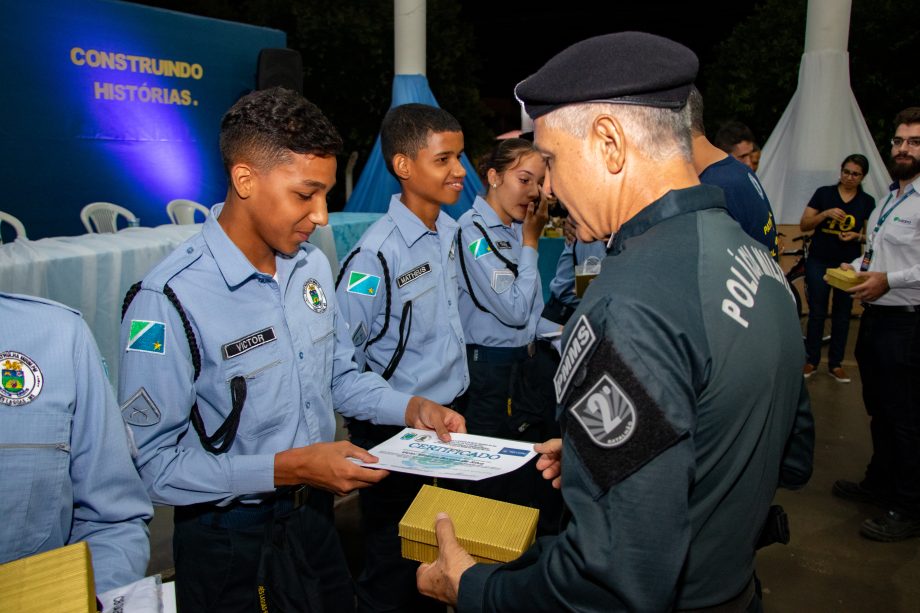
(738, 604)
(891, 308)
(242, 515)
(500, 355)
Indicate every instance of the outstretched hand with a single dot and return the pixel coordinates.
(550, 460)
(441, 579)
(427, 415)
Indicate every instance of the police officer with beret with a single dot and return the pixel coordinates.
(680, 393)
(67, 471)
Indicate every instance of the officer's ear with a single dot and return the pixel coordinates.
(610, 140)
(401, 166)
(241, 179)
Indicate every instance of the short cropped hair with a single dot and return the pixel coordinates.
(695, 102)
(406, 129)
(658, 133)
(265, 126)
(730, 134)
(908, 116)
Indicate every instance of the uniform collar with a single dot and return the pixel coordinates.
(410, 226)
(914, 185)
(675, 202)
(235, 267)
(487, 213)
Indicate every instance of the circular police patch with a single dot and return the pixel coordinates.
(606, 413)
(21, 380)
(313, 295)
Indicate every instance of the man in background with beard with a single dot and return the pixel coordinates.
(888, 346)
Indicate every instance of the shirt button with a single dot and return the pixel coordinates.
(301, 355)
(189, 250)
(307, 404)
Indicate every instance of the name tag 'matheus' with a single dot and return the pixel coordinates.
(250, 341)
(413, 274)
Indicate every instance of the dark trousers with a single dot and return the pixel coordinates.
(888, 354)
(387, 583)
(508, 398)
(218, 553)
(819, 294)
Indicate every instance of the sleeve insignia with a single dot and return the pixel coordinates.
(147, 336)
(502, 279)
(363, 284)
(140, 410)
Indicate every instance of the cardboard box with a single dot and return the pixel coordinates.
(490, 530)
(841, 279)
(56, 581)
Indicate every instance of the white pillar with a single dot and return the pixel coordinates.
(409, 18)
(828, 25)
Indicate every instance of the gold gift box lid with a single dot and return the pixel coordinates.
(56, 581)
(842, 279)
(490, 530)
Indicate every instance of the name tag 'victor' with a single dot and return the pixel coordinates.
(248, 342)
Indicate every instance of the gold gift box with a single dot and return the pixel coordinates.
(842, 279)
(490, 530)
(56, 581)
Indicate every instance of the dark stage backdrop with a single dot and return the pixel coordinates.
(111, 101)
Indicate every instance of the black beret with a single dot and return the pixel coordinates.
(625, 68)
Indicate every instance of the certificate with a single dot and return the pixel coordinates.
(466, 456)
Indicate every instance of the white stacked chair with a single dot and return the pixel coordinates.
(182, 212)
(103, 216)
(13, 221)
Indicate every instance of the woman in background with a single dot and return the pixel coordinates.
(837, 214)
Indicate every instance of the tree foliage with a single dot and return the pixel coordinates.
(756, 70)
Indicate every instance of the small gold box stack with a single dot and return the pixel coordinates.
(841, 279)
(490, 530)
(56, 581)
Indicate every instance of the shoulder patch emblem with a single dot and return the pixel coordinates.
(479, 248)
(503, 245)
(21, 380)
(147, 336)
(412, 275)
(577, 346)
(248, 342)
(502, 280)
(362, 283)
(359, 335)
(314, 296)
(140, 410)
(606, 413)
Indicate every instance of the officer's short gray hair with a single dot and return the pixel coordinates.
(658, 133)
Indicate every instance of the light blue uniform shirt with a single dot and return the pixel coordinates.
(421, 270)
(283, 334)
(515, 301)
(65, 469)
(563, 284)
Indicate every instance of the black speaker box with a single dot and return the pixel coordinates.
(280, 67)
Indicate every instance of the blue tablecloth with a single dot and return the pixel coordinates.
(549, 250)
(347, 228)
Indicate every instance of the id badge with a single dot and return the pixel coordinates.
(867, 259)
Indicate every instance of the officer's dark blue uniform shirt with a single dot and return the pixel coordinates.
(682, 407)
(511, 300)
(282, 334)
(419, 269)
(64, 452)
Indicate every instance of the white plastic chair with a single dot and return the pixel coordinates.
(182, 212)
(103, 216)
(17, 225)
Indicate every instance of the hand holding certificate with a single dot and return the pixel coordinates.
(466, 456)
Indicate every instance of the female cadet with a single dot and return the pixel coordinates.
(501, 295)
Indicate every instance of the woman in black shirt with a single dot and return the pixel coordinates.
(837, 214)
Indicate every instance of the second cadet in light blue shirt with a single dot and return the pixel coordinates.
(67, 472)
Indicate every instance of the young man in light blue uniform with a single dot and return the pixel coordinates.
(398, 293)
(67, 473)
(235, 355)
